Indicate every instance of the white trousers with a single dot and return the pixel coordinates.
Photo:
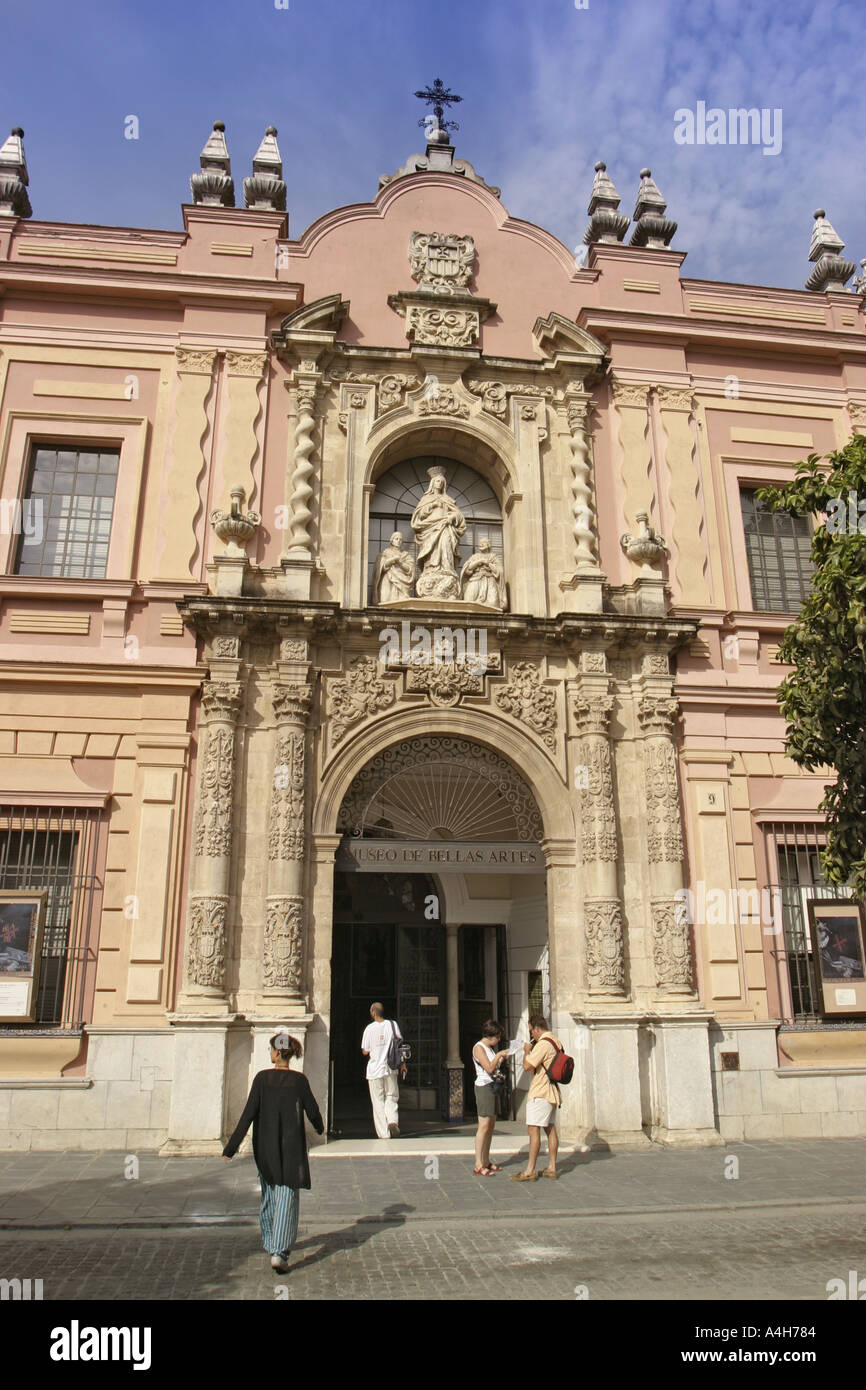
(385, 1095)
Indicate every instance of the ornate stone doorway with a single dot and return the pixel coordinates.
(439, 888)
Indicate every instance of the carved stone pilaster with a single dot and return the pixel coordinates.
(283, 945)
(672, 951)
(221, 702)
(664, 833)
(605, 962)
(206, 941)
(595, 781)
(286, 812)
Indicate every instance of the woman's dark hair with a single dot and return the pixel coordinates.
(294, 1048)
(492, 1029)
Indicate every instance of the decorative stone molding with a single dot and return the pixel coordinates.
(603, 933)
(441, 261)
(293, 649)
(593, 662)
(292, 703)
(441, 327)
(672, 953)
(206, 940)
(283, 944)
(221, 700)
(445, 682)
(227, 647)
(655, 664)
(629, 393)
(526, 698)
(658, 715)
(674, 398)
(857, 416)
(361, 694)
(494, 394)
(246, 363)
(390, 386)
(198, 361)
(443, 401)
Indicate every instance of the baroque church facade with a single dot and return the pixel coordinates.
(391, 616)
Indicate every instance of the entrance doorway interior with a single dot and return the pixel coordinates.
(387, 948)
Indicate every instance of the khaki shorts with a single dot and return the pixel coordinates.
(540, 1112)
(486, 1102)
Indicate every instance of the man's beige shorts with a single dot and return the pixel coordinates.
(540, 1112)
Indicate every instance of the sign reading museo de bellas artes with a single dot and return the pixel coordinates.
(439, 856)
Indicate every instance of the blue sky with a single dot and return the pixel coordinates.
(548, 89)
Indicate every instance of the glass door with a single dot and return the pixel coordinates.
(421, 1010)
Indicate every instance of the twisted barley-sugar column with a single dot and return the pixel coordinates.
(583, 513)
(207, 943)
(300, 544)
(671, 938)
(603, 925)
(283, 956)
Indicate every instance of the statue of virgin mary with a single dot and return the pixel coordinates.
(438, 524)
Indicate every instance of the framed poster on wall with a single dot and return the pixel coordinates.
(22, 923)
(838, 954)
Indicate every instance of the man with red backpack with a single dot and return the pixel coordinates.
(544, 1099)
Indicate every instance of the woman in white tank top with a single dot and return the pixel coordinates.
(486, 1061)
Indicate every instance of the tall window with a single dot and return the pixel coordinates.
(399, 491)
(55, 849)
(800, 878)
(70, 500)
(778, 549)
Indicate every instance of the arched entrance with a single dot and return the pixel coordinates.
(440, 913)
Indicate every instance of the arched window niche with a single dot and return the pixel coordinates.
(397, 495)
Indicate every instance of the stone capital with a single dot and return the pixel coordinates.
(221, 701)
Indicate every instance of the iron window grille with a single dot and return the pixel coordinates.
(56, 849)
(778, 549)
(70, 496)
(795, 854)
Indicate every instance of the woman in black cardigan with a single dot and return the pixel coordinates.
(276, 1106)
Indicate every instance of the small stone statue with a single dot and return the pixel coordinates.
(482, 579)
(394, 572)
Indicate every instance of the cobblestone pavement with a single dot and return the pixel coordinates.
(81, 1189)
(753, 1254)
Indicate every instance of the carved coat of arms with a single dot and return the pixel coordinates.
(441, 261)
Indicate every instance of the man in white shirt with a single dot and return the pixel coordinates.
(381, 1079)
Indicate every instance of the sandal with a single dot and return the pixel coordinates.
(483, 1172)
(495, 1167)
(524, 1177)
(548, 1174)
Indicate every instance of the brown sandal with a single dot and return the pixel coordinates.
(548, 1174)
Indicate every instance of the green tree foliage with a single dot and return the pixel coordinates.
(824, 698)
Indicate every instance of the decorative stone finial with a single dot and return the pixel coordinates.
(14, 201)
(606, 223)
(859, 286)
(214, 186)
(647, 547)
(234, 527)
(652, 229)
(830, 271)
(266, 188)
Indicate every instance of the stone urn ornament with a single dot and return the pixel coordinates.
(647, 547)
(235, 528)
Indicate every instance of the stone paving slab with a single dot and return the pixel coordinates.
(58, 1190)
(756, 1254)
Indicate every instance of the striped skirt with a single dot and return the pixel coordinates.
(279, 1218)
